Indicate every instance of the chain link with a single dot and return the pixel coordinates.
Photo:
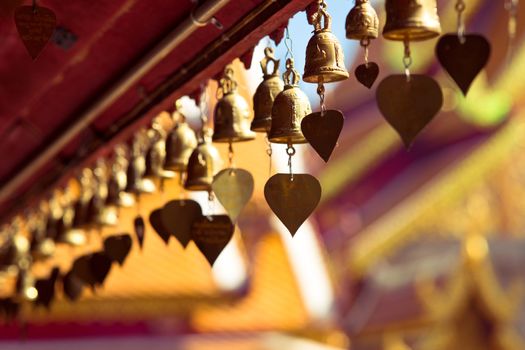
(320, 92)
(230, 154)
(290, 150)
(269, 152)
(407, 59)
(288, 43)
(365, 43)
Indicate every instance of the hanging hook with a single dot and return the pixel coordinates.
(289, 44)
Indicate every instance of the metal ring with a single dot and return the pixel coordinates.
(290, 150)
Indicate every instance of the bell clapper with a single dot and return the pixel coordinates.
(211, 205)
(320, 92)
(290, 150)
(407, 58)
(365, 43)
(269, 152)
(460, 8)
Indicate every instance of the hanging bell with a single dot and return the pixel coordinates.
(232, 113)
(42, 247)
(266, 92)
(180, 143)
(362, 21)
(82, 217)
(325, 60)
(99, 212)
(156, 155)
(118, 180)
(202, 166)
(411, 20)
(289, 109)
(66, 231)
(136, 183)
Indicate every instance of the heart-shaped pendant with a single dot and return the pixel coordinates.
(211, 234)
(178, 217)
(100, 265)
(155, 219)
(35, 26)
(118, 247)
(463, 60)
(322, 131)
(409, 103)
(367, 73)
(140, 229)
(292, 200)
(233, 188)
(46, 289)
(81, 269)
(72, 286)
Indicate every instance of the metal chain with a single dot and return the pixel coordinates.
(320, 92)
(290, 150)
(407, 59)
(203, 106)
(230, 154)
(288, 43)
(460, 8)
(211, 203)
(365, 42)
(512, 7)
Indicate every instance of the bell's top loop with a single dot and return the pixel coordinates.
(269, 57)
(291, 76)
(227, 83)
(322, 14)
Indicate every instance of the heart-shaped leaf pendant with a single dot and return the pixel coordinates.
(155, 219)
(233, 188)
(81, 269)
(118, 247)
(367, 73)
(322, 131)
(409, 103)
(72, 286)
(292, 200)
(463, 60)
(100, 265)
(211, 234)
(178, 216)
(140, 229)
(35, 26)
(46, 289)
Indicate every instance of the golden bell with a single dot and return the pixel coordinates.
(66, 232)
(118, 180)
(266, 92)
(99, 212)
(202, 166)
(136, 183)
(362, 21)
(156, 155)
(231, 119)
(180, 143)
(289, 109)
(325, 60)
(411, 20)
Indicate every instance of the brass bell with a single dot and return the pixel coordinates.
(411, 20)
(362, 21)
(99, 212)
(156, 155)
(66, 232)
(136, 183)
(266, 92)
(325, 60)
(118, 180)
(289, 109)
(202, 165)
(82, 217)
(180, 143)
(42, 246)
(232, 113)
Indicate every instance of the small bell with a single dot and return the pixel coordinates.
(289, 109)
(136, 183)
(362, 21)
(324, 56)
(99, 213)
(232, 113)
(42, 247)
(266, 92)
(118, 180)
(82, 217)
(180, 143)
(156, 155)
(411, 20)
(202, 166)
(66, 232)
